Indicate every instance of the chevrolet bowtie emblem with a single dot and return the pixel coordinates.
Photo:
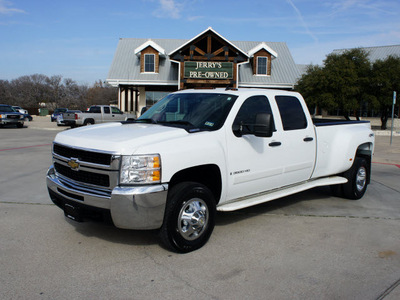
(74, 164)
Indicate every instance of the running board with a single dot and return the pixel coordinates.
(280, 193)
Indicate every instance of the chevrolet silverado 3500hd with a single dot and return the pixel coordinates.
(196, 152)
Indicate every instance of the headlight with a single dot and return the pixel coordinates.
(140, 169)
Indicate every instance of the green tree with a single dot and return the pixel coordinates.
(340, 84)
(384, 80)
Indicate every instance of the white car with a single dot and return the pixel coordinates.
(21, 110)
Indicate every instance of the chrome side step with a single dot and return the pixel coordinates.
(279, 193)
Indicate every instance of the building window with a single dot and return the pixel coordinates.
(262, 65)
(153, 97)
(149, 65)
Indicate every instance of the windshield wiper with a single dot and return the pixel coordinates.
(179, 122)
(149, 121)
(189, 127)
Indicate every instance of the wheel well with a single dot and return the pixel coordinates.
(209, 175)
(365, 151)
(90, 120)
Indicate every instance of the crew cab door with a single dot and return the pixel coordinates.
(107, 116)
(297, 138)
(116, 114)
(254, 163)
(258, 164)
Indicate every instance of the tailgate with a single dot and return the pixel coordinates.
(68, 116)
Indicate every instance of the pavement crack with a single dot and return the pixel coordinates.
(389, 290)
(386, 186)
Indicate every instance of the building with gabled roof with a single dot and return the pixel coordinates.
(145, 70)
(376, 53)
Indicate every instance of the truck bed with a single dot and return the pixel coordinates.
(331, 122)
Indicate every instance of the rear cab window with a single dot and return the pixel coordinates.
(95, 109)
(292, 113)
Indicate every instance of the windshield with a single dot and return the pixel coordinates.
(195, 111)
(7, 109)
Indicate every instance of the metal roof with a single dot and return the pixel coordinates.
(375, 53)
(125, 67)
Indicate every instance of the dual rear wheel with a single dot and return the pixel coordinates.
(357, 183)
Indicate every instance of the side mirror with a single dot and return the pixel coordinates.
(264, 125)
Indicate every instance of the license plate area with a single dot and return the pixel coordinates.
(72, 212)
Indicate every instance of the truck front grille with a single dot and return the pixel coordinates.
(83, 155)
(97, 179)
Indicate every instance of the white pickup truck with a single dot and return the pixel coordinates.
(95, 115)
(196, 152)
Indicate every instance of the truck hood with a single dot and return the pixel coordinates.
(119, 138)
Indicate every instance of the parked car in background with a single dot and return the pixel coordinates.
(21, 110)
(98, 114)
(28, 117)
(57, 112)
(9, 116)
(61, 121)
(26, 114)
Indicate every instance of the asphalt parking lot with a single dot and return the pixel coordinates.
(306, 246)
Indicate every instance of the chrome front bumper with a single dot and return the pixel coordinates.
(140, 207)
(11, 121)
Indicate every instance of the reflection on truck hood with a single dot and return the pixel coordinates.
(117, 137)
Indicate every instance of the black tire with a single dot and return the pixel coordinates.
(88, 122)
(19, 125)
(337, 190)
(357, 177)
(189, 217)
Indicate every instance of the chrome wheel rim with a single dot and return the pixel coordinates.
(193, 219)
(361, 178)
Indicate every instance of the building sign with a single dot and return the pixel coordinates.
(208, 70)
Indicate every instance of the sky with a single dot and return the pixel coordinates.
(77, 39)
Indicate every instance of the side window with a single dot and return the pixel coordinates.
(115, 110)
(95, 109)
(292, 113)
(246, 117)
(106, 110)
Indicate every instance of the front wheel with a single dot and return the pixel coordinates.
(357, 178)
(189, 217)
